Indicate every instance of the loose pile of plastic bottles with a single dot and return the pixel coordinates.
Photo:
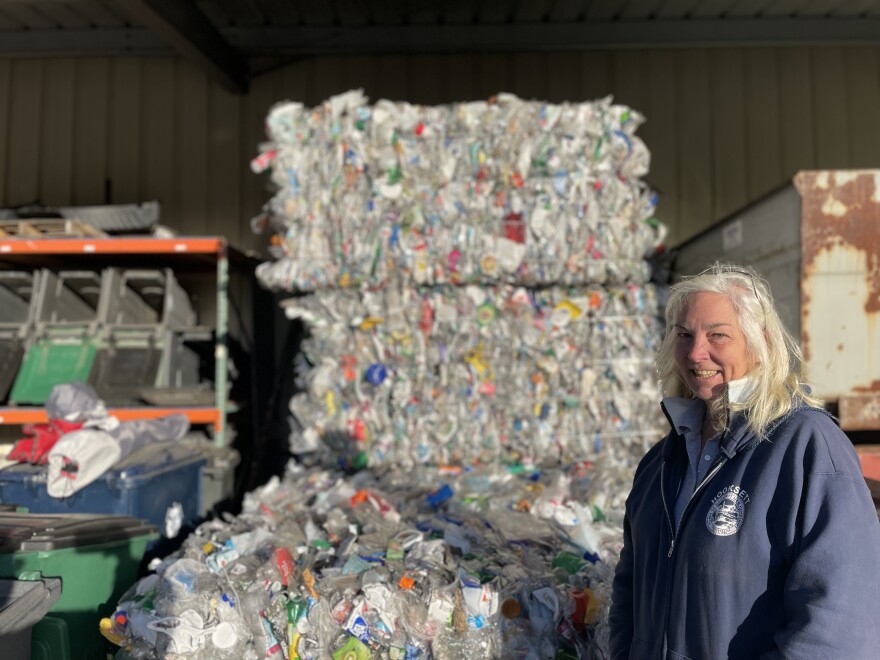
(443, 563)
(482, 192)
(464, 375)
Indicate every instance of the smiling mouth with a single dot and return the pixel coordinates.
(700, 373)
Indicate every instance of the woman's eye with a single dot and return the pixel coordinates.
(717, 336)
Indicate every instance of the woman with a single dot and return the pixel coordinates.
(749, 531)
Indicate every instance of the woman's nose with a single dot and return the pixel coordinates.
(697, 352)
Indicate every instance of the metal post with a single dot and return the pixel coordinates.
(221, 350)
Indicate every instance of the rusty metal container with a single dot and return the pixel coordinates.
(817, 242)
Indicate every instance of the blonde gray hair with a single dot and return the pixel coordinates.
(777, 356)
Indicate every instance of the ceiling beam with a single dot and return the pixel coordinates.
(92, 42)
(308, 41)
(313, 40)
(189, 32)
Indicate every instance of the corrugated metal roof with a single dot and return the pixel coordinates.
(233, 37)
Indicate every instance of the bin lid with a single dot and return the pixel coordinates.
(152, 461)
(43, 532)
(133, 471)
(24, 602)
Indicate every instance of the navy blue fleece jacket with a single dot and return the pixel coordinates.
(777, 554)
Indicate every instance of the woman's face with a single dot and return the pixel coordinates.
(710, 348)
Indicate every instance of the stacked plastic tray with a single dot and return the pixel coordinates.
(119, 329)
(145, 316)
(18, 302)
(64, 334)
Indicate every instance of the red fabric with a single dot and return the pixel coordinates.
(36, 449)
(870, 463)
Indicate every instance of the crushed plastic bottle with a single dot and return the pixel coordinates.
(492, 570)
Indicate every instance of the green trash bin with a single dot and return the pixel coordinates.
(96, 557)
(50, 639)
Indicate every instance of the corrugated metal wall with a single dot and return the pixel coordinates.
(724, 125)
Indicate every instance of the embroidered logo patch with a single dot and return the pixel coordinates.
(728, 509)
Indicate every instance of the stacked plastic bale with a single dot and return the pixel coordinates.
(478, 274)
(478, 375)
(484, 192)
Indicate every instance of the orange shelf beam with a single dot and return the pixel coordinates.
(39, 416)
(206, 245)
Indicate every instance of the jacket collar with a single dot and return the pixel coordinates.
(686, 415)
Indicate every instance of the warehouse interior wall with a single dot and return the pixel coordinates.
(724, 126)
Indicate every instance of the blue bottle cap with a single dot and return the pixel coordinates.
(376, 373)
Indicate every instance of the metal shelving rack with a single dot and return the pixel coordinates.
(199, 252)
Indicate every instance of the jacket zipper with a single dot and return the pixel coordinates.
(705, 480)
(674, 532)
(666, 508)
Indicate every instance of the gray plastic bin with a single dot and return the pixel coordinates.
(123, 302)
(18, 300)
(180, 363)
(145, 297)
(68, 297)
(126, 362)
(145, 317)
(22, 604)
